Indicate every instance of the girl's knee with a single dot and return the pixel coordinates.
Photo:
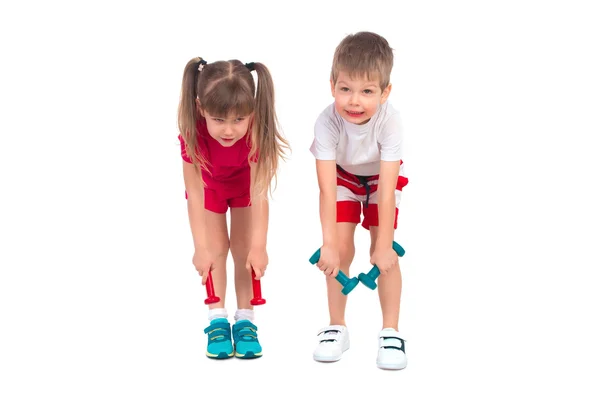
(239, 252)
(221, 249)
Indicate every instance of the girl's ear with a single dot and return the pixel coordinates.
(251, 121)
(199, 107)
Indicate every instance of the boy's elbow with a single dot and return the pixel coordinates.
(326, 194)
(387, 194)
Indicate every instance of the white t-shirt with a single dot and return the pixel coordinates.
(359, 149)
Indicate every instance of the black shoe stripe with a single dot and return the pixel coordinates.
(394, 347)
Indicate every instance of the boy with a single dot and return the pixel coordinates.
(358, 151)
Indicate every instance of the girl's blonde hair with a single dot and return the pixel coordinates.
(226, 88)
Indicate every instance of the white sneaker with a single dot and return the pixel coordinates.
(332, 341)
(392, 353)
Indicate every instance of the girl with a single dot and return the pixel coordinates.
(231, 145)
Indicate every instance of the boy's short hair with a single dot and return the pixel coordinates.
(364, 54)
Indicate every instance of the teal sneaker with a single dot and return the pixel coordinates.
(246, 340)
(219, 339)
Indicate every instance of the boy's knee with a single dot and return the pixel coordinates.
(346, 253)
(372, 248)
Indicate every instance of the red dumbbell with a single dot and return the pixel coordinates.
(210, 291)
(256, 290)
(257, 300)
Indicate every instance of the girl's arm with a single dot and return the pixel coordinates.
(388, 177)
(260, 215)
(257, 259)
(195, 201)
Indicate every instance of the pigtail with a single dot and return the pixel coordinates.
(188, 113)
(267, 140)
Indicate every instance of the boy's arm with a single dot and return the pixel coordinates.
(324, 148)
(195, 202)
(388, 177)
(327, 177)
(391, 141)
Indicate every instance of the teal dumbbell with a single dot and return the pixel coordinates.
(347, 283)
(369, 278)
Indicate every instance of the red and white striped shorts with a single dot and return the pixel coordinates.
(356, 192)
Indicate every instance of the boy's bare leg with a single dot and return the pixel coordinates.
(390, 290)
(337, 300)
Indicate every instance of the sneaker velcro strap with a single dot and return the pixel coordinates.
(218, 325)
(328, 336)
(244, 330)
(219, 331)
(390, 334)
(244, 324)
(331, 328)
(391, 342)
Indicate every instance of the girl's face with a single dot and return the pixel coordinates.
(357, 100)
(227, 131)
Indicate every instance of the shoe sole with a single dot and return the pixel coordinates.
(221, 356)
(391, 366)
(326, 359)
(249, 355)
(330, 359)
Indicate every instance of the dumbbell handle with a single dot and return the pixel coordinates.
(210, 291)
(257, 300)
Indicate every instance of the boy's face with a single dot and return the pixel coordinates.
(356, 100)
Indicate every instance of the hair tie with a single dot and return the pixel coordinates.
(201, 64)
(250, 66)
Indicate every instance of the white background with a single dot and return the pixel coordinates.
(98, 296)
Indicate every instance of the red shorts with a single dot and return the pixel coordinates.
(356, 194)
(350, 211)
(219, 202)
